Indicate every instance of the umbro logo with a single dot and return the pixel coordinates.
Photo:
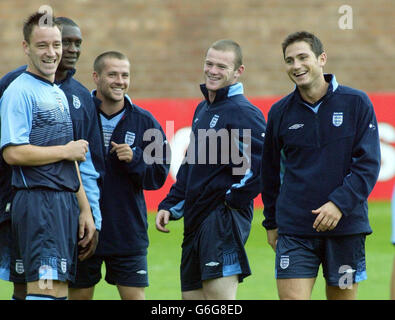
(296, 126)
(212, 264)
(372, 126)
(141, 272)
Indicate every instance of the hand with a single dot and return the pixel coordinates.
(89, 250)
(123, 151)
(86, 229)
(272, 236)
(328, 217)
(76, 150)
(162, 219)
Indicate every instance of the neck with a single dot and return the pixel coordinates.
(315, 92)
(60, 75)
(50, 78)
(110, 107)
(211, 96)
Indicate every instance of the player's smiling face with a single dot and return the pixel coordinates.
(71, 41)
(302, 66)
(219, 69)
(44, 50)
(113, 80)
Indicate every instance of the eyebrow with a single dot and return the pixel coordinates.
(298, 55)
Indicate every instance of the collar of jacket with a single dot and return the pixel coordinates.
(127, 101)
(223, 93)
(70, 74)
(333, 85)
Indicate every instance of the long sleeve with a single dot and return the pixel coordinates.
(270, 175)
(89, 178)
(150, 165)
(175, 199)
(248, 142)
(365, 166)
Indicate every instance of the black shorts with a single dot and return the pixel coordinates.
(44, 233)
(215, 249)
(128, 271)
(342, 258)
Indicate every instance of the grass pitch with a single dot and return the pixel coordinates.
(164, 255)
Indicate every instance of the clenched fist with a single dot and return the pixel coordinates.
(76, 150)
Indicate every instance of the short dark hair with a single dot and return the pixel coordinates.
(229, 45)
(98, 63)
(35, 20)
(66, 22)
(315, 43)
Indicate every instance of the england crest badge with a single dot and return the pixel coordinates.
(214, 121)
(19, 268)
(59, 100)
(63, 265)
(337, 119)
(284, 262)
(129, 138)
(76, 102)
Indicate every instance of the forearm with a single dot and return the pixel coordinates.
(31, 155)
(89, 178)
(83, 202)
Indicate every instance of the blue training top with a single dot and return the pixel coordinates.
(123, 207)
(85, 126)
(35, 111)
(208, 175)
(314, 154)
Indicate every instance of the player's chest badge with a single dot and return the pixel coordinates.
(76, 102)
(337, 119)
(214, 121)
(59, 101)
(130, 137)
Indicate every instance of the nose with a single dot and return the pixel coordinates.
(297, 64)
(51, 51)
(212, 69)
(119, 79)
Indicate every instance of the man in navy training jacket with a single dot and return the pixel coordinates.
(136, 159)
(214, 191)
(85, 126)
(321, 160)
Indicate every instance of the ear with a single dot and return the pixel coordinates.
(26, 48)
(239, 71)
(95, 77)
(322, 59)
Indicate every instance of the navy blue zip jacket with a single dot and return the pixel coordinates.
(330, 152)
(85, 126)
(124, 212)
(201, 186)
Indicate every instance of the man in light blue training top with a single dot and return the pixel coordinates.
(85, 126)
(37, 141)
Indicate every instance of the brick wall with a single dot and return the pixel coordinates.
(166, 39)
